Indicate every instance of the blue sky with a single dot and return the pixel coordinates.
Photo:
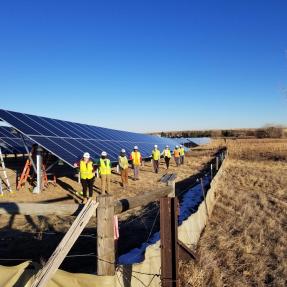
(146, 65)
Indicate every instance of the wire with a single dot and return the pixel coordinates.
(153, 225)
(81, 255)
(140, 216)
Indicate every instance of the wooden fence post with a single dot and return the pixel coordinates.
(171, 183)
(217, 163)
(105, 236)
(168, 238)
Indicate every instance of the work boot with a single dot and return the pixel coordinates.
(85, 200)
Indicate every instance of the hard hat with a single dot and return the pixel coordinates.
(86, 155)
(136, 147)
(176, 146)
(155, 145)
(104, 153)
(123, 150)
(180, 145)
(167, 146)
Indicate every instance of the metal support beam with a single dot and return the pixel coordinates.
(168, 237)
(39, 164)
(4, 173)
(28, 153)
(52, 165)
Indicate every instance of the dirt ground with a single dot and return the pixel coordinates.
(245, 241)
(35, 237)
(66, 188)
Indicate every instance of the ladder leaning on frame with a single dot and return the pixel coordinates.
(5, 175)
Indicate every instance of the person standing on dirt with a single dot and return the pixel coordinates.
(176, 154)
(87, 175)
(136, 161)
(155, 159)
(105, 171)
(124, 168)
(167, 156)
(181, 152)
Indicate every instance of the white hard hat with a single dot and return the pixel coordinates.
(155, 145)
(167, 146)
(180, 145)
(176, 146)
(123, 150)
(86, 155)
(136, 147)
(104, 153)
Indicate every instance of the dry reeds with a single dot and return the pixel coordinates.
(245, 241)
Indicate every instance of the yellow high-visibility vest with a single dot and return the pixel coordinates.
(155, 154)
(123, 162)
(136, 157)
(167, 153)
(182, 151)
(86, 169)
(105, 166)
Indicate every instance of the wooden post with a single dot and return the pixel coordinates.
(217, 163)
(203, 193)
(105, 236)
(44, 275)
(171, 183)
(211, 171)
(168, 238)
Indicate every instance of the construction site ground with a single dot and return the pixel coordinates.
(25, 237)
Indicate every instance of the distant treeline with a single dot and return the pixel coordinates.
(266, 132)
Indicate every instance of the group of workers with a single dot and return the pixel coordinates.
(87, 167)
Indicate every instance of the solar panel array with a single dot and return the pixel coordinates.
(197, 141)
(69, 140)
(11, 142)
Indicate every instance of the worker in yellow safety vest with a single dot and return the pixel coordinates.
(87, 175)
(136, 161)
(167, 156)
(105, 170)
(181, 152)
(124, 168)
(176, 154)
(156, 159)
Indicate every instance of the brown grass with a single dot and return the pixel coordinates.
(245, 241)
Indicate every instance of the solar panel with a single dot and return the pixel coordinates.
(181, 141)
(200, 141)
(69, 140)
(196, 141)
(11, 142)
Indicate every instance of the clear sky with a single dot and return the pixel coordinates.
(145, 65)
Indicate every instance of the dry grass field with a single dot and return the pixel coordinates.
(245, 241)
